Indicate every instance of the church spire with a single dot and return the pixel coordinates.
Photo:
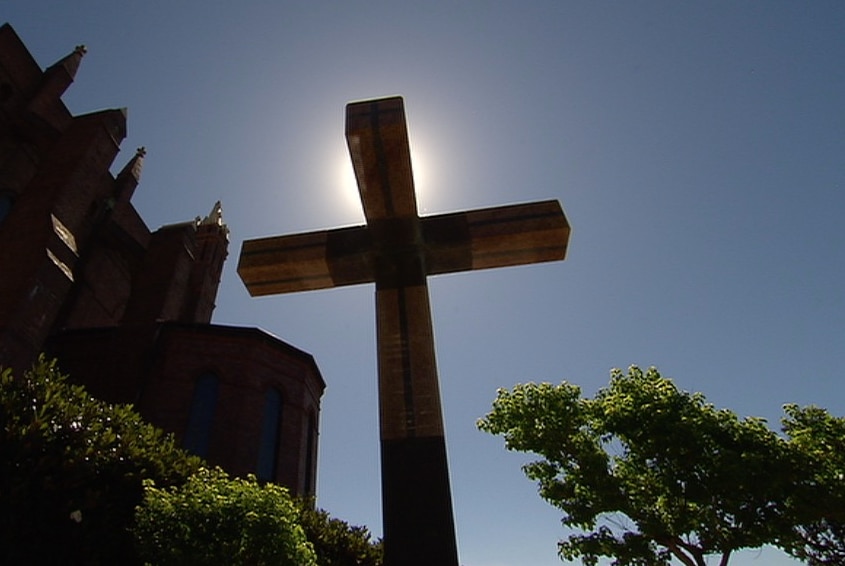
(128, 178)
(70, 63)
(212, 244)
(215, 218)
(59, 76)
(54, 82)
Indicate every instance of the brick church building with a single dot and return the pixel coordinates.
(126, 310)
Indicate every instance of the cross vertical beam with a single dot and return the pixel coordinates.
(398, 250)
(416, 499)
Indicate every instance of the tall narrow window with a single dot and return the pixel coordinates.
(198, 432)
(310, 451)
(271, 422)
(5, 205)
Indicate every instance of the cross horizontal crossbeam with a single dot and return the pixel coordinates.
(461, 241)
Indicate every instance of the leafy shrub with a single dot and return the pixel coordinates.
(213, 519)
(337, 543)
(71, 470)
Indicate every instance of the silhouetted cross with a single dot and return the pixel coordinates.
(398, 250)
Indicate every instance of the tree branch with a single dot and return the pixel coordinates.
(695, 551)
(672, 545)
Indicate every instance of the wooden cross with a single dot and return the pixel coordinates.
(398, 250)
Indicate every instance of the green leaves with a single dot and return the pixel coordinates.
(213, 519)
(819, 500)
(650, 471)
(335, 542)
(71, 469)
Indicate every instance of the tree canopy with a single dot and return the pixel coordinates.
(71, 470)
(645, 472)
(819, 504)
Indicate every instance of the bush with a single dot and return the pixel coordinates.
(213, 520)
(71, 471)
(337, 543)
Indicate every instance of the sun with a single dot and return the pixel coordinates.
(422, 177)
(348, 186)
(351, 199)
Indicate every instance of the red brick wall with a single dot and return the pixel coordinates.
(156, 366)
(47, 228)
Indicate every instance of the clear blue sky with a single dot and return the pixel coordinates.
(697, 148)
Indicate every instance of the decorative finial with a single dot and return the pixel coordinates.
(132, 170)
(214, 218)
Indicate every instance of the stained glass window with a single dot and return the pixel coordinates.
(271, 422)
(198, 432)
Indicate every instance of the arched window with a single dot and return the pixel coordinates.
(271, 423)
(310, 454)
(6, 202)
(198, 432)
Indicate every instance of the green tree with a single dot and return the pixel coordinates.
(819, 503)
(71, 471)
(645, 472)
(337, 543)
(213, 519)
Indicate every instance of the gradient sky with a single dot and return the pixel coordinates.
(697, 149)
